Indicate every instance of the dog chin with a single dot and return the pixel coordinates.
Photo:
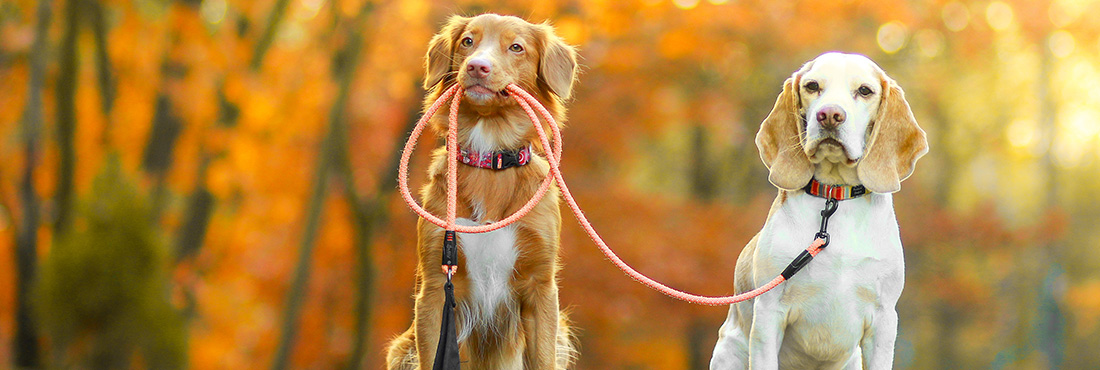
(829, 150)
(480, 95)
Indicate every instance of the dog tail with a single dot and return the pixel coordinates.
(402, 352)
(566, 342)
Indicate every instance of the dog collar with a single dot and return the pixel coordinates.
(838, 192)
(498, 160)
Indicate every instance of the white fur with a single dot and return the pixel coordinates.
(490, 264)
(838, 311)
(481, 141)
(818, 316)
(839, 77)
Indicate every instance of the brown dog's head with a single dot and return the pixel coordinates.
(842, 120)
(487, 52)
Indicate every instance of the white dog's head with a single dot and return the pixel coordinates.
(842, 120)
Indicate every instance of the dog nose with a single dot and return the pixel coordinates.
(478, 68)
(830, 116)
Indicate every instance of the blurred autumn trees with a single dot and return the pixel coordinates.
(208, 183)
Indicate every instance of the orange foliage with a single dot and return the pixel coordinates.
(652, 72)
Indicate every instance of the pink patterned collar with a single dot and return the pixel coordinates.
(498, 160)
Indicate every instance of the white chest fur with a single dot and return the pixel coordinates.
(490, 263)
(847, 287)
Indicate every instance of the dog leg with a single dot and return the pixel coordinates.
(878, 341)
(769, 322)
(429, 311)
(731, 351)
(402, 352)
(539, 314)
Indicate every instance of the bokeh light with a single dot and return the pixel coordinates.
(955, 16)
(892, 36)
(999, 15)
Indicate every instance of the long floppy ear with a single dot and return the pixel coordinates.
(895, 145)
(780, 138)
(438, 63)
(557, 64)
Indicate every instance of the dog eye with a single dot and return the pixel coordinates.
(865, 91)
(467, 42)
(516, 48)
(812, 86)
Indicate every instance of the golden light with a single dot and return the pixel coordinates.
(1061, 43)
(955, 16)
(309, 9)
(212, 11)
(1062, 13)
(1083, 123)
(1021, 134)
(892, 36)
(719, 2)
(999, 15)
(929, 42)
(685, 4)
(1078, 132)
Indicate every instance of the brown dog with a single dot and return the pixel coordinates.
(506, 289)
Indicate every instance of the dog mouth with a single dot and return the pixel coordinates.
(832, 150)
(481, 93)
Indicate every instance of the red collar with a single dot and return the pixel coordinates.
(498, 160)
(838, 192)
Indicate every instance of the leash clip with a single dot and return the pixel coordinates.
(830, 208)
(450, 253)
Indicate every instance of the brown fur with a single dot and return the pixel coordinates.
(538, 329)
(780, 138)
(896, 142)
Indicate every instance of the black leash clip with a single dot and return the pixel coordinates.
(450, 253)
(805, 257)
(830, 208)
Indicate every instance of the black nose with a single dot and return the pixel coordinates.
(830, 116)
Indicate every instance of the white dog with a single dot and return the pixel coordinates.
(844, 127)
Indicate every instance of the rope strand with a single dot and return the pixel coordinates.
(526, 101)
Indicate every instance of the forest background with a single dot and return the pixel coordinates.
(210, 183)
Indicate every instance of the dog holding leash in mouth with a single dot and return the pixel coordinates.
(841, 129)
(507, 295)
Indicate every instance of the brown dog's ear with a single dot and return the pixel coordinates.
(438, 63)
(780, 138)
(557, 64)
(895, 145)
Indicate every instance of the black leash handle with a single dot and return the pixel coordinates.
(446, 352)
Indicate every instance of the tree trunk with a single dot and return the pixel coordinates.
(698, 354)
(200, 206)
(66, 118)
(329, 149)
(270, 29)
(1050, 327)
(368, 217)
(103, 68)
(26, 242)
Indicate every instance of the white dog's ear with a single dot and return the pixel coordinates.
(438, 62)
(780, 138)
(896, 142)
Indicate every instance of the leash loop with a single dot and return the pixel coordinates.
(553, 156)
(403, 174)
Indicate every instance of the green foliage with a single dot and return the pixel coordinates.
(103, 292)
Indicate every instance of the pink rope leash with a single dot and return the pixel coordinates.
(526, 101)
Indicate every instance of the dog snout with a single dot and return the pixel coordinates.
(478, 67)
(831, 116)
